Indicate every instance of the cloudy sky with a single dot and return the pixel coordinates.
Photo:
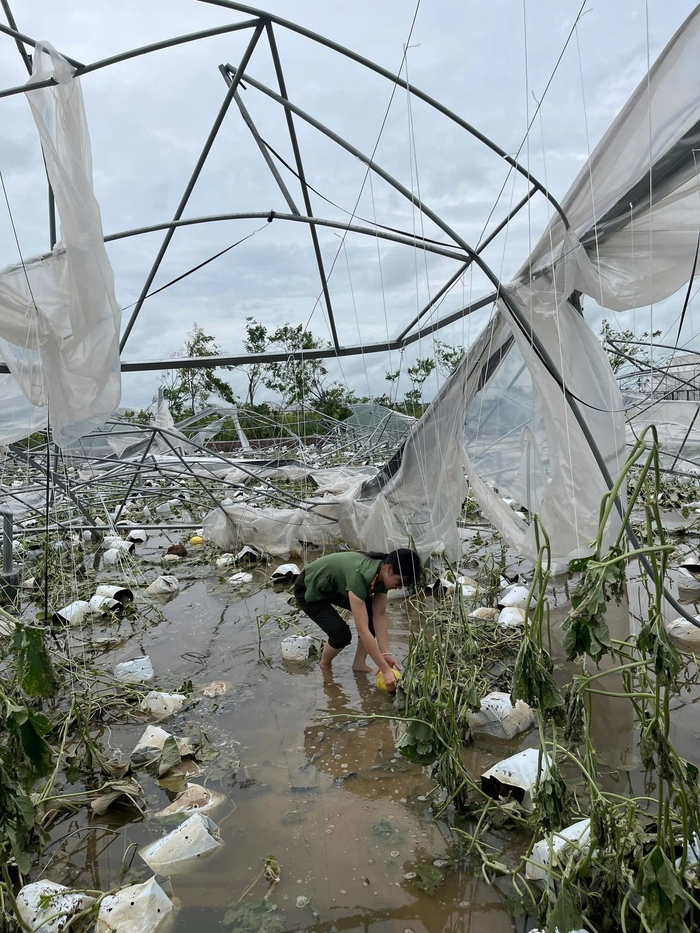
(149, 118)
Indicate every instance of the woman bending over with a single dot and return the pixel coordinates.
(359, 582)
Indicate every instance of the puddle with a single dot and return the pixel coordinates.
(306, 778)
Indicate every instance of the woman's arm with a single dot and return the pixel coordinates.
(371, 646)
(381, 629)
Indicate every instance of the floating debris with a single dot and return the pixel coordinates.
(161, 704)
(47, 906)
(194, 841)
(297, 647)
(499, 717)
(138, 671)
(140, 908)
(164, 586)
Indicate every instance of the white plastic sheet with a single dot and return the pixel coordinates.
(499, 717)
(59, 327)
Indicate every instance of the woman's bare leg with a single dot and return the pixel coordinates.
(360, 660)
(327, 656)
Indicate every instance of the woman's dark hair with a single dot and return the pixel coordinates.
(406, 563)
(403, 560)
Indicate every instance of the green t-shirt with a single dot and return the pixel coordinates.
(342, 573)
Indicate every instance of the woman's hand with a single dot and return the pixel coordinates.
(390, 681)
(390, 660)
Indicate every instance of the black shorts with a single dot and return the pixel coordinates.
(324, 614)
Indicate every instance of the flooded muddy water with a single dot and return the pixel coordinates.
(306, 778)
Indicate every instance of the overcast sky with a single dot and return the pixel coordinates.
(149, 118)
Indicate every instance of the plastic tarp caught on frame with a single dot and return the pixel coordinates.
(59, 326)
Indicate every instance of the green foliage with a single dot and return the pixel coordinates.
(533, 680)
(34, 670)
(257, 917)
(187, 391)
(418, 744)
(585, 627)
(664, 903)
(552, 803)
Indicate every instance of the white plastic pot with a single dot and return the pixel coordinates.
(225, 560)
(285, 573)
(514, 596)
(161, 705)
(73, 613)
(685, 633)
(511, 615)
(137, 535)
(296, 647)
(515, 776)
(194, 799)
(99, 605)
(121, 593)
(55, 915)
(241, 578)
(114, 555)
(138, 671)
(194, 841)
(564, 844)
(248, 554)
(140, 908)
(116, 543)
(499, 717)
(163, 586)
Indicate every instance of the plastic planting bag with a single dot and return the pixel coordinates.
(139, 671)
(514, 596)
(499, 717)
(121, 593)
(511, 615)
(100, 605)
(516, 776)
(161, 705)
(163, 586)
(194, 799)
(285, 573)
(74, 613)
(151, 744)
(297, 647)
(140, 908)
(53, 915)
(564, 844)
(194, 841)
(684, 633)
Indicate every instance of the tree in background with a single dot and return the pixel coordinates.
(187, 391)
(624, 350)
(256, 340)
(448, 358)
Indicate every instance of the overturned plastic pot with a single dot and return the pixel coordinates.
(297, 647)
(194, 841)
(516, 776)
(121, 593)
(285, 573)
(72, 614)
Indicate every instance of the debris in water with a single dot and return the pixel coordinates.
(138, 671)
(195, 840)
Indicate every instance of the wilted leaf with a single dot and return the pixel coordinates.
(35, 672)
(169, 757)
(663, 903)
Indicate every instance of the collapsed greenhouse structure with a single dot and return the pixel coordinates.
(528, 435)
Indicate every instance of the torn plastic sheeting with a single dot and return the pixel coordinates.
(164, 586)
(242, 578)
(499, 717)
(51, 916)
(74, 612)
(194, 841)
(138, 671)
(225, 560)
(151, 744)
(161, 705)
(685, 633)
(565, 842)
(140, 908)
(248, 555)
(516, 776)
(121, 593)
(285, 573)
(280, 532)
(194, 799)
(297, 647)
